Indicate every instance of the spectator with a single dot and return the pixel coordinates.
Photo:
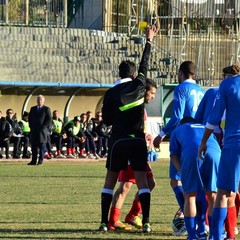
(25, 139)
(48, 147)
(5, 134)
(82, 140)
(16, 133)
(83, 144)
(91, 137)
(72, 129)
(57, 137)
(104, 132)
(39, 122)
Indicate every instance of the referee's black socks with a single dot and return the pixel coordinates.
(145, 198)
(106, 200)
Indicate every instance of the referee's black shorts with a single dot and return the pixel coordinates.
(127, 149)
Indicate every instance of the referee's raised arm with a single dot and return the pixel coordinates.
(150, 33)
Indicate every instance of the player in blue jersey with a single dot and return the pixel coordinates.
(195, 175)
(187, 96)
(206, 105)
(208, 101)
(204, 110)
(227, 99)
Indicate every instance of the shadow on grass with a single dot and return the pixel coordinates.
(85, 234)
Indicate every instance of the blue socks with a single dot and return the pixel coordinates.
(179, 196)
(190, 223)
(201, 212)
(218, 218)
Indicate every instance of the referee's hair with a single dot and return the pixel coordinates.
(127, 69)
(188, 68)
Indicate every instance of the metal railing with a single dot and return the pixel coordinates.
(34, 13)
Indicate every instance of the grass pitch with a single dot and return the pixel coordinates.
(61, 200)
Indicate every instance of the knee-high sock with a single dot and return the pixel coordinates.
(210, 224)
(230, 222)
(179, 196)
(106, 199)
(115, 214)
(201, 212)
(69, 151)
(190, 223)
(207, 223)
(135, 210)
(219, 215)
(145, 198)
(237, 203)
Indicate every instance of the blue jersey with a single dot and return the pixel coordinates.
(184, 143)
(206, 105)
(187, 96)
(228, 98)
(186, 138)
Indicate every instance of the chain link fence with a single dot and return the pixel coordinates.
(33, 12)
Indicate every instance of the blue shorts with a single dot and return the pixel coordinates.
(209, 169)
(229, 169)
(190, 175)
(173, 173)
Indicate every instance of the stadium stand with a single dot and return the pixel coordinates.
(64, 55)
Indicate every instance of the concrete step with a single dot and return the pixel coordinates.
(52, 66)
(67, 55)
(56, 35)
(38, 48)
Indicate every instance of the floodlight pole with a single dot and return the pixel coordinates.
(27, 13)
(6, 11)
(65, 9)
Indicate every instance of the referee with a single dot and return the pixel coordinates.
(123, 108)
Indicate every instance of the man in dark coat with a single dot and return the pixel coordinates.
(40, 121)
(16, 132)
(6, 132)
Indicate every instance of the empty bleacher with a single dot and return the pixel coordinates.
(66, 55)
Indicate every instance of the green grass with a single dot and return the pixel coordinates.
(61, 200)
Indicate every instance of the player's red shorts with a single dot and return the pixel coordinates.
(128, 175)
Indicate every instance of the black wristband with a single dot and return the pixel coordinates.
(149, 40)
